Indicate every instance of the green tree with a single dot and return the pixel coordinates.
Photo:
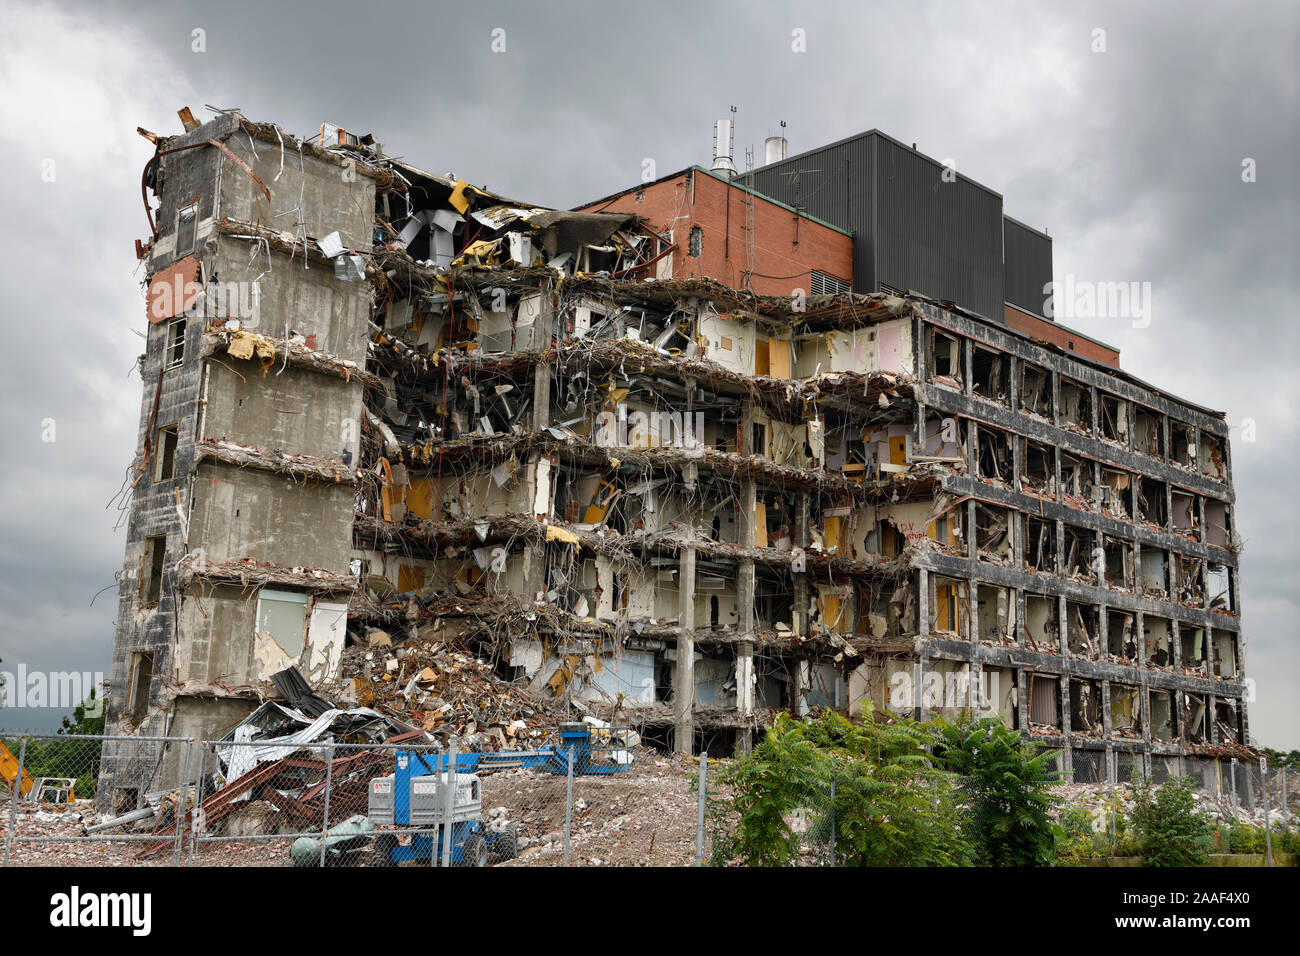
(1007, 782)
(870, 790)
(1171, 831)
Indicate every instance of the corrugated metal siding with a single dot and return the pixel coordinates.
(940, 238)
(1028, 266)
(833, 184)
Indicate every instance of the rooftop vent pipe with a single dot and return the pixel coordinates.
(722, 148)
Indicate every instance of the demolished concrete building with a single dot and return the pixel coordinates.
(385, 408)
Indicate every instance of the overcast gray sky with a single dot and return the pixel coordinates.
(1130, 157)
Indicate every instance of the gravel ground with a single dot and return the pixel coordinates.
(644, 816)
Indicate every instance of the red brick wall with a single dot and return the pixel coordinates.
(780, 264)
(1059, 335)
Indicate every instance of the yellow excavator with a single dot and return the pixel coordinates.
(9, 770)
(41, 790)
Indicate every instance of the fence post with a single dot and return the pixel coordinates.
(1268, 827)
(699, 815)
(568, 809)
(1286, 822)
(13, 801)
(449, 806)
(196, 820)
(329, 786)
(832, 863)
(182, 797)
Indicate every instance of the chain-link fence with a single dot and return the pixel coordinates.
(591, 800)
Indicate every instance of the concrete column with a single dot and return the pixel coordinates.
(541, 395)
(745, 595)
(802, 681)
(801, 591)
(684, 672)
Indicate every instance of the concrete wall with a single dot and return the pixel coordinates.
(240, 513)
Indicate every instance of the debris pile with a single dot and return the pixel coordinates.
(433, 682)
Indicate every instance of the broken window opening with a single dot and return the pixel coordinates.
(1044, 704)
(1037, 468)
(996, 612)
(892, 540)
(1151, 502)
(1164, 719)
(1112, 418)
(1089, 765)
(1218, 582)
(1212, 457)
(1078, 553)
(993, 460)
(140, 681)
(1085, 707)
(1076, 406)
(1039, 545)
(1183, 439)
(165, 453)
(1114, 491)
(1218, 524)
(1036, 390)
(1083, 635)
(1193, 650)
(951, 607)
(695, 247)
(1154, 580)
(993, 534)
(1194, 705)
(1148, 432)
(1042, 630)
(944, 357)
(1121, 638)
(1225, 655)
(1118, 558)
(151, 570)
(175, 352)
(1125, 711)
(1076, 478)
(990, 374)
(187, 221)
(1186, 520)
(1156, 634)
(1227, 721)
(1188, 571)
(282, 616)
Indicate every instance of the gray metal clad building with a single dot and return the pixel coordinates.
(912, 230)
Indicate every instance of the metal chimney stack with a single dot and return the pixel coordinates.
(773, 149)
(722, 148)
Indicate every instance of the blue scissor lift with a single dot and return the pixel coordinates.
(414, 796)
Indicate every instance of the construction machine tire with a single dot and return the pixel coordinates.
(506, 845)
(475, 851)
(381, 854)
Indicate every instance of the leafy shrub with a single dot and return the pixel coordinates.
(1007, 782)
(871, 790)
(1170, 830)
